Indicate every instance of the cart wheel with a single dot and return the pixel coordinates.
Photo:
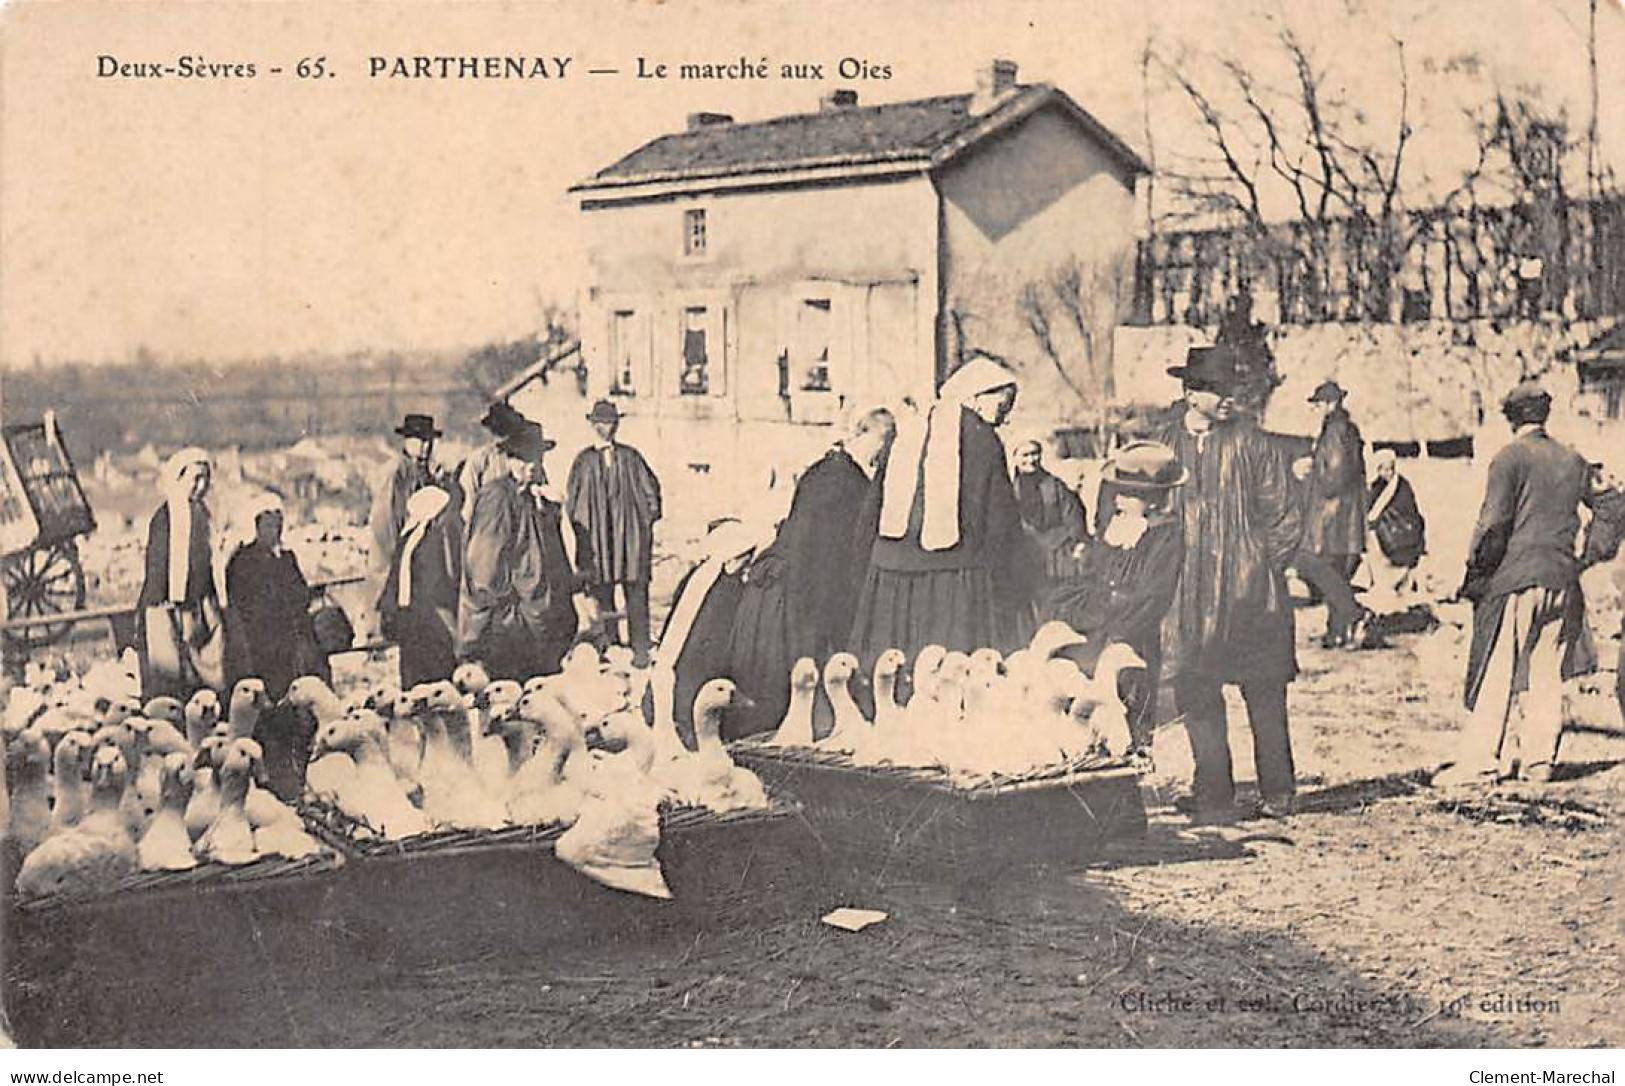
(40, 583)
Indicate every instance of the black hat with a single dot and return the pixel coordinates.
(1328, 392)
(421, 426)
(526, 441)
(1217, 369)
(501, 419)
(1527, 402)
(1145, 465)
(604, 411)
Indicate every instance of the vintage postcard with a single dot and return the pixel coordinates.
(813, 525)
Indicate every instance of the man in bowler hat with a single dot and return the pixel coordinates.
(1232, 618)
(613, 498)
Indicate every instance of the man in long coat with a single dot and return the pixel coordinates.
(1528, 613)
(950, 564)
(411, 471)
(613, 498)
(1334, 532)
(1231, 621)
(517, 616)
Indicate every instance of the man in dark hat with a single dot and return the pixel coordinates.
(1528, 613)
(1334, 532)
(613, 499)
(517, 615)
(410, 472)
(1232, 618)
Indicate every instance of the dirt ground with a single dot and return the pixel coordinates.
(1384, 914)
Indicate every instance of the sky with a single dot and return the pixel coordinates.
(237, 218)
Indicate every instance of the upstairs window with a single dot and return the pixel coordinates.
(694, 232)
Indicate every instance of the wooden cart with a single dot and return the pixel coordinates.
(43, 512)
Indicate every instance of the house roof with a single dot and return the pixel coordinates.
(922, 134)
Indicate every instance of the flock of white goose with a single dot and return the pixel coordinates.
(970, 715)
(103, 784)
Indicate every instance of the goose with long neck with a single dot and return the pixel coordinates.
(230, 838)
(70, 791)
(851, 727)
(1100, 702)
(204, 806)
(166, 846)
(97, 852)
(201, 714)
(709, 778)
(889, 713)
(549, 788)
(248, 703)
(28, 765)
(453, 792)
(796, 729)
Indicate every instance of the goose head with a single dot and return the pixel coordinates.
(986, 661)
(72, 756)
(1061, 683)
(560, 729)
(211, 752)
(248, 702)
(1115, 658)
(632, 735)
(164, 739)
(538, 682)
(803, 678)
(28, 755)
(236, 771)
(312, 695)
(838, 672)
(175, 781)
(888, 666)
(927, 666)
(470, 679)
(334, 737)
(583, 659)
(501, 700)
(714, 699)
(167, 709)
(108, 772)
(1051, 637)
(133, 741)
(201, 714)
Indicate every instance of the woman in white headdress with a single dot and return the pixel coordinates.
(950, 564)
(418, 608)
(180, 630)
(1397, 536)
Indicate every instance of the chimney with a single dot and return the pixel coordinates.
(992, 83)
(697, 121)
(842, 98)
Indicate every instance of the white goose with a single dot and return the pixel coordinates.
(708, 777)
(98, 851)
(230, 838)
(166, 845)
(204, 806)
(70, 792)
(370, 792)
(1107, 715)
(889, 714)
(549, 788)
(851, 726)
(614, 840)
(28, 764)
(796, 729)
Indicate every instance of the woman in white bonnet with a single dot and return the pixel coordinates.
(179, 634)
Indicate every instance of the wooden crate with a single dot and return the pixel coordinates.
(885, 819)
(223, 960)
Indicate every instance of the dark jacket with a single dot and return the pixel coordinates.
(1232, 620)
(1053, 516)
(614, 507)
(426, 629)
(990, 532)
(517, 580)
(1525, 537)
(199, 571)
(268, 620)
(1400, 528)
(1337, 489)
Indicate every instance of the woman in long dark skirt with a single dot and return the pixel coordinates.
(418, 608)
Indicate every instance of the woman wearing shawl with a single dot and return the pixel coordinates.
(950, 564)
(1399, 535)
(695, 643)
(271, 637)
(418, 608)
(179, 636)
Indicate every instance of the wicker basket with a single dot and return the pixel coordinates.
(249, 958)
(884, 818)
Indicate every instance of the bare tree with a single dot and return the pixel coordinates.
(1070, 312)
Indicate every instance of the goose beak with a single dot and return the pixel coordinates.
(742, 701)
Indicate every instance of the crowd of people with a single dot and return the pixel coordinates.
(914, 530)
